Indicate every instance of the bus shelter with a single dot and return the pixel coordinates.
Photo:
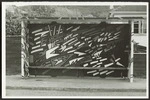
(91, 46)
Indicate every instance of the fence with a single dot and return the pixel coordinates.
(13, 55)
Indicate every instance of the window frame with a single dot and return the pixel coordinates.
(140, 28)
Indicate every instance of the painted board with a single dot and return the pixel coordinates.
(80, 45)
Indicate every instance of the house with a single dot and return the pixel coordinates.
(139, 28)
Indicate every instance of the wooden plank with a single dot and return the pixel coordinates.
(76, 67)
(87, 20)
(79, 18)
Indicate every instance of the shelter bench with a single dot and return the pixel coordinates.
(36, 68)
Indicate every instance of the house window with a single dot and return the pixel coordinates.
(136, 27)
(139, 27)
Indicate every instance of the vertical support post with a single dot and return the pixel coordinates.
(132, 58)
(24, 50)
(130, 74)
(22, 47)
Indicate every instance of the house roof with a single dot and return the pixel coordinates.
(131, 8)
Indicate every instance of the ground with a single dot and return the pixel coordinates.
(10, 92)
(73, 86)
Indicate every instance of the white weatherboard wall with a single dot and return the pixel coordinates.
(142, 40)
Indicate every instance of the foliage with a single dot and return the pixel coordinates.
(13, 26)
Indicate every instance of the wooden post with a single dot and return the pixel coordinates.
(24, 50)
(22, 47)
(130, 72)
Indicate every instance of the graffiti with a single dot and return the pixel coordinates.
(84, 45)
(24, 50)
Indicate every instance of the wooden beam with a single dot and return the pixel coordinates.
(79, 21)
(77, 67)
